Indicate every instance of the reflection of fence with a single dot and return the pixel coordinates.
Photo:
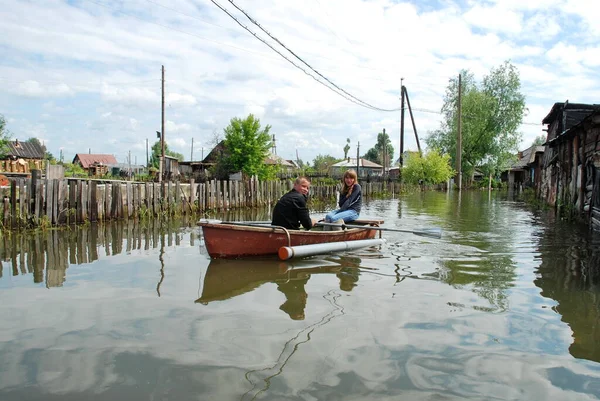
(48, 254)
(30, 201)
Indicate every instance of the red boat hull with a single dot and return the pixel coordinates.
(232, 241)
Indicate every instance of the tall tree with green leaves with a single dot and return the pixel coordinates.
(383, 151)
(157, 152)
(5, 136)
(47, 155)
(491, 115)
(247, 146)
(323, 162)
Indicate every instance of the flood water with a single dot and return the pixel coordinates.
(505, 306)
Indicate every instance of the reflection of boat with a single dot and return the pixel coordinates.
(226, 279)
(227, 240)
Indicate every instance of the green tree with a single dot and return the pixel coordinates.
(539, 140)
(347, 148)
(323, 162)
(157, 152)
(5, 136)
(247, 147)
(491, 115)
(47, 155)
(382, 152)
(431, 168)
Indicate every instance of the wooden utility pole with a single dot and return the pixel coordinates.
(192, 151)
(412, 119)
(459, 135)
(147, 161)
(358, 160)
(161, 169)
(384, 152)
(401, 126)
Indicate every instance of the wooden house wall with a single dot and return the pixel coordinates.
(570, 178)
(13, 166)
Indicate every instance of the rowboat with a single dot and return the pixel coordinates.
(231, 240)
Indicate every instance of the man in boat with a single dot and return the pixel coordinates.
(291, 210)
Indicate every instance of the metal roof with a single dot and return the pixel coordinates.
(87, 159)
(351, 162)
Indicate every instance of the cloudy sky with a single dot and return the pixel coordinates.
(85, 75)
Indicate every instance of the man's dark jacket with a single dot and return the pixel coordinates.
(291, 210)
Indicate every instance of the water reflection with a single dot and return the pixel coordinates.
(47, 255)
(570, 275)
(225, 279)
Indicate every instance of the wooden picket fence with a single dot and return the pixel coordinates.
(32, 202)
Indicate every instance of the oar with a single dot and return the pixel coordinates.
(237, 223)
(433, 232)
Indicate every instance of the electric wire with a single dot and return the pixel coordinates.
(341, 92)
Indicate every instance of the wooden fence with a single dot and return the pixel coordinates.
(31, 202)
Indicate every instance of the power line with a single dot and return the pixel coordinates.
(182, 31)
(349, 96)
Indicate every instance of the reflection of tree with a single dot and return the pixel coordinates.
(490, 278)
(481, 224)
(570, 274)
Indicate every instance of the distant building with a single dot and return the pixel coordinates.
(22, 157)
(365, 167)
(526, 171)
(274, 160)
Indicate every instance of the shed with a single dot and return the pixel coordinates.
(22, 157)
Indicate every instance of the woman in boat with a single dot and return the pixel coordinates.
(350, 200)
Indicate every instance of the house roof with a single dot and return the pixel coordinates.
(214, 155)
(87, 159)
(350, 162)
(25, 150)
(577, 112)
(274, 159)
(527, 157)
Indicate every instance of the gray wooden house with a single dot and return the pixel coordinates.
(22, 157)
(571, 173)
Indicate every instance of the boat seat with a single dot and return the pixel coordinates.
(331, 228)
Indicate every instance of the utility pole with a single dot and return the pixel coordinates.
(192, 151)
(147, 161)
(162, 128)
(401, 126)
(412, 119)
(358, 159)
(384, 151)
(129, 160)
(459, 135)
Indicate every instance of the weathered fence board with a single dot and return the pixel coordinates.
(70, 201)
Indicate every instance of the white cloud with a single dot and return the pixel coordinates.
(497, 19)
(172, 127)
(176, 99)
(98, 67)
